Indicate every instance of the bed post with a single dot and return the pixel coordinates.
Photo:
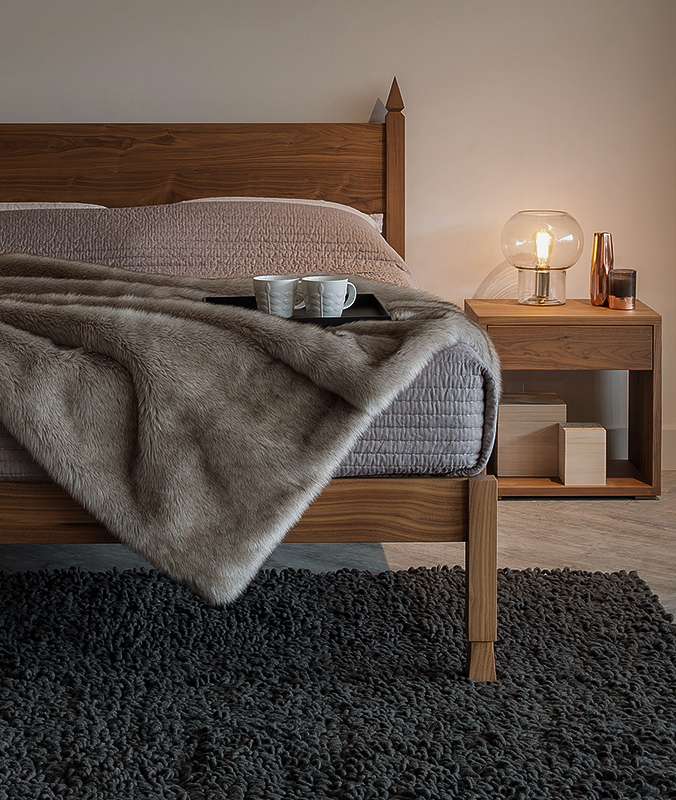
(481, 564)
(395, 171)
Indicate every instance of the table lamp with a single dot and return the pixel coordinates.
(542, 245)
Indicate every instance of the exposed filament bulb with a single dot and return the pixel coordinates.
(543, 241)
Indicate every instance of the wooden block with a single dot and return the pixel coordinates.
(582, 454)
(527, 437)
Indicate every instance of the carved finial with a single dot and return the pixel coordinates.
(394, 101)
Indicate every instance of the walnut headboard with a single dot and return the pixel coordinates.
(133, 164)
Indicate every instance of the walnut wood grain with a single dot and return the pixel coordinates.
(645, 418)
(573, 346)
(577, 336)
(482, 559)
(136, 164)
(348, 510)
(145, 164)
(387, 510)
(480, 661)
(629, 486)
(573, 312)
(43, 513)
(481, 563)
(395, 171)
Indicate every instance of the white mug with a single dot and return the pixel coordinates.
(275, 294)
(327, 295)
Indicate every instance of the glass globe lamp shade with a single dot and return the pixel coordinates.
(542, 245)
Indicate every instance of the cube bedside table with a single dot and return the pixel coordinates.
(580, 336)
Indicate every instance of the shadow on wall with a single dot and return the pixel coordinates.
(501, 283)
(446, 261)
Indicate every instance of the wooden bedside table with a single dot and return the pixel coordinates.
(580, 336)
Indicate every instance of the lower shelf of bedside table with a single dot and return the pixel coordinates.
(623, 480)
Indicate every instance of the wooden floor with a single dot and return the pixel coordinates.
(604, 535)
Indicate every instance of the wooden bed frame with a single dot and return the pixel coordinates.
(358, 164)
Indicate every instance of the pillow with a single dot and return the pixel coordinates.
(21, 206)
(375, 219)
(211, 239)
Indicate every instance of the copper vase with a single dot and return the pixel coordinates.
(601, 263)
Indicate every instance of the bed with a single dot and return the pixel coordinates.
(133, 166)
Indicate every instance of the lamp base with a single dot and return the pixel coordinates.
(542, 287)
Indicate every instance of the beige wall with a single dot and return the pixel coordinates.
(510, 104)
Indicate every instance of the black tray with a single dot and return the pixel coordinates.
(365, 307)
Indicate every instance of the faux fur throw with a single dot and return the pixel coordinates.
(198, 433)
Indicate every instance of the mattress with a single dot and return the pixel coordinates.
(442, 424)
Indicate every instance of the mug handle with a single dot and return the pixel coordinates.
(351, 295)
(299, 301)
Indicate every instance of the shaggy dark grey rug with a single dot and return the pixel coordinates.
(342, 685)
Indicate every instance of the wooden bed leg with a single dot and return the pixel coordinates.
(481, 565)
(480, 661)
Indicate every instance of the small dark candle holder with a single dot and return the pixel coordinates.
(622, 289)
